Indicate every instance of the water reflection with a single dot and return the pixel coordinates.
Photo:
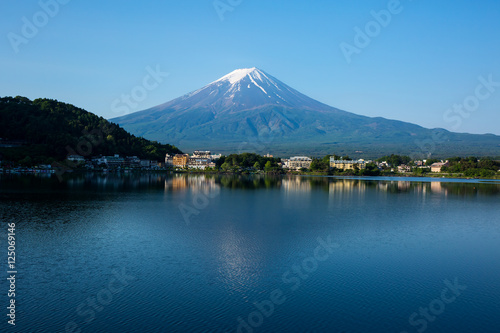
(237, 248)
(212, 183)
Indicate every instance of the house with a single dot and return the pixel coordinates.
(132, 161)
(109, 161)
(180, 160)
(403, 168)
(202, 154)
(76, 158)
(169, 160)
(202, 159)
(347, 165)
(285, 163)
(436, 167)
(299, 162)
(147, 164)
(97, 161)
(215, 157)
(115, 161)
(383, 165)
(200, 163)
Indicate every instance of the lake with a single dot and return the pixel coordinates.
(181, 253)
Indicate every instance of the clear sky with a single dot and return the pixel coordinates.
(415, 65)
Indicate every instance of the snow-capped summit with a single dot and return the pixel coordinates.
(249, 109)
(237, 75)
(244, 88)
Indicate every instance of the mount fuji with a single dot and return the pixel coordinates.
(250, 110)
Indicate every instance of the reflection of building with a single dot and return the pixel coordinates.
(341, 187)
(296, 184)
(436, 187)
(298, 162)
(347, 165)
(202, 184)
(404, 186)
(180, 160)
(179, 183)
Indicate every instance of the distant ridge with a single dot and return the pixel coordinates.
(250, 110)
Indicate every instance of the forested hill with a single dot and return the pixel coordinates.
(44, 130)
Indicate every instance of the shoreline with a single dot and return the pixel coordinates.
(51, 173)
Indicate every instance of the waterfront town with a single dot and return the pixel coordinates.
(206, 161)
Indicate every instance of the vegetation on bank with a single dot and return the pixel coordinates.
(322, 166)
(44, 130)
(248, 162)
(473, 167)
(469, 167)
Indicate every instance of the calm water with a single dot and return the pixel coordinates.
(156, 253)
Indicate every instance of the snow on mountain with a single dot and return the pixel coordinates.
(244, 89)
(249, 105)
(237, 75)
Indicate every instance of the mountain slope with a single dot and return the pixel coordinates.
(49, 129)
(250, 110)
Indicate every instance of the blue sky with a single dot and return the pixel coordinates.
(419, 63)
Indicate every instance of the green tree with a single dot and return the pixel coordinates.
(27, 161)
(268, 167)
(431, 161)
(487, 163)
(257, 166)
(326, 159)
(370, 169)
(320, 164)
(48, 127)
(395, 160)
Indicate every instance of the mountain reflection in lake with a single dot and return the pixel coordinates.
(179, 182)
(200, 251)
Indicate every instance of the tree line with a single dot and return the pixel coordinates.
(248, 161)
(50, 130)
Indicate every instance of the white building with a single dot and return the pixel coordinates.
(298, 162)
(436, 167)
(202, 159)
(200, 163)
(169, 160)
(75, 158)
(347, 164)
(202, 154)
